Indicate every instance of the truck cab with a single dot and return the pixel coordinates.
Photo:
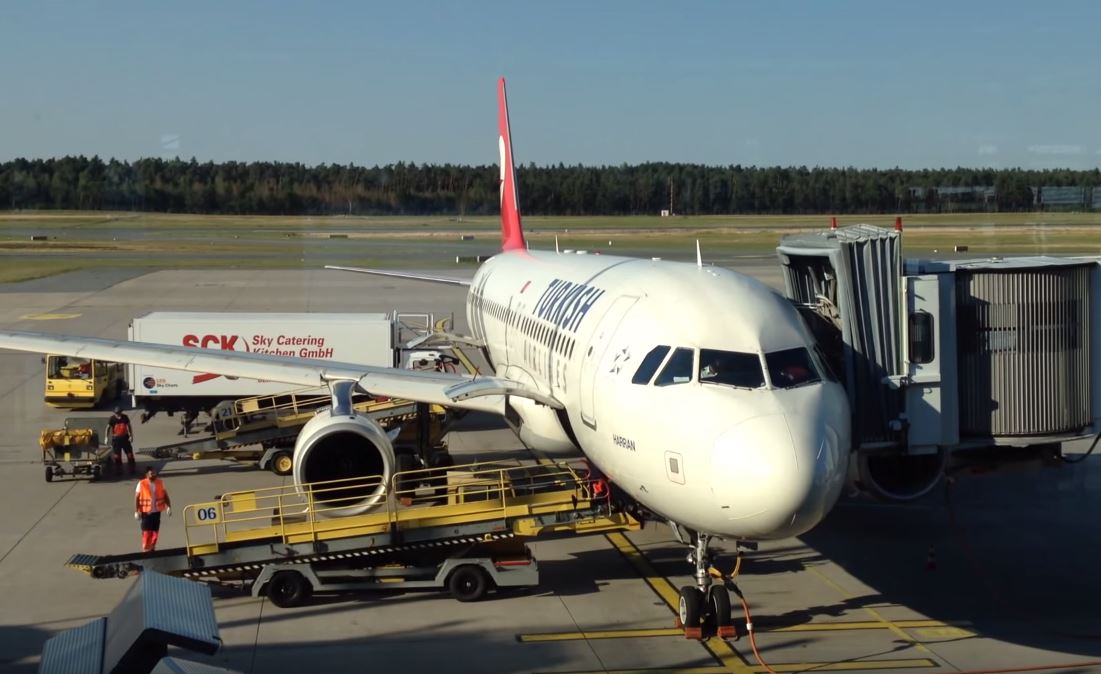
(81, 383)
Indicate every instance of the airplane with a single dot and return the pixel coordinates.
(697, 391)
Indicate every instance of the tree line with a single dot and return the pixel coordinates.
(271, 188)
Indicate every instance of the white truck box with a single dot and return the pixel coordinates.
(366, 339)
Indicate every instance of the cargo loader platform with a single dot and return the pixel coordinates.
(263, 429)
(417, 518)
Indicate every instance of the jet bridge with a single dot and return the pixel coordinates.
(950, 362)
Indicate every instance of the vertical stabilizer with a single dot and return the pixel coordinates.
(512, 234)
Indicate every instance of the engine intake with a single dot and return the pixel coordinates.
(344, 447)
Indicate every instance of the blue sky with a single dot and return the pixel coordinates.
(865, 84)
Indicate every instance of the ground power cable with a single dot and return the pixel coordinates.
(1083, 457)
(728, 581)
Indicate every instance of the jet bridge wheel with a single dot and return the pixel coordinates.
(468, 583)
(690, 610)
(289, 588)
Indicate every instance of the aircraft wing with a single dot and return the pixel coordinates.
(399, 274)
(453, 390)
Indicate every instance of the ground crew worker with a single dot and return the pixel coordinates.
(122, 439)
(150, 500)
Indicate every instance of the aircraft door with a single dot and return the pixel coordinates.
(596, 352)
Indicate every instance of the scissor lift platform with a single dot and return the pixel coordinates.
(432, 514)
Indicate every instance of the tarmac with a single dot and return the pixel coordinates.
(995, 573)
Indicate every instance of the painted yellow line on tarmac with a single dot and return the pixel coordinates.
(601, 634)
(857, 665)
(899, 632)
(945, 632)
(928, 628)
(732, 660)
(48, 317)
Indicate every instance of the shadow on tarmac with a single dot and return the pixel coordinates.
(1014, 555)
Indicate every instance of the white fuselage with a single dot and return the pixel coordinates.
(739, 461)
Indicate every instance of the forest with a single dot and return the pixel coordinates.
(271, 188)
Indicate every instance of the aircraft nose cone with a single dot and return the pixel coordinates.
(773, 475)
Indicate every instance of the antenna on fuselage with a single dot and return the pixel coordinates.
(699, 256)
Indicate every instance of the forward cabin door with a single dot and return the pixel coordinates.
(594, 356)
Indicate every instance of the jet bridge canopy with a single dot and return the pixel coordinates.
(951, 354)
(851, 278)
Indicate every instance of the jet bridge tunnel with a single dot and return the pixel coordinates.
(949, 363)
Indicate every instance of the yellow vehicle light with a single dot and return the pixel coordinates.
(49, 387)
(87, 387)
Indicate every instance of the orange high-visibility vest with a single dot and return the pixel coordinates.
(145, 498)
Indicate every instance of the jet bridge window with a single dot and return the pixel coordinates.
(731, 368)
(678, 370)
(649, 365)
(791, 367)
(921, 338)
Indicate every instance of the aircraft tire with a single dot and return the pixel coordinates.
(690, 606)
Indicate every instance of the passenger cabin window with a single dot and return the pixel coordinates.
(791, 367)
(678, 370)
(649, 366)
(731, 368)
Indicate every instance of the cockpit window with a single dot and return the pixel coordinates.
(791, 367)
(649, 365)
(678, 370)
(731, 368)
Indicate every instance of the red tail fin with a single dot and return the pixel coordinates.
(512, 234)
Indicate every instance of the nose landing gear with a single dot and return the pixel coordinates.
(704, 608)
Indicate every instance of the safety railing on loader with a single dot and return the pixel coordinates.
(509, 496)
(295, 408)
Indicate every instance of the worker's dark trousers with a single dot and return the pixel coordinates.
(150, 530)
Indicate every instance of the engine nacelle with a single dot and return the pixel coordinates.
(342, 447)
(898, 478)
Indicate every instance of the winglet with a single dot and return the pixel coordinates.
(512, 234)
(699, 255)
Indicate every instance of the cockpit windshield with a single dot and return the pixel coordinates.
(791, 367)
(731, 368)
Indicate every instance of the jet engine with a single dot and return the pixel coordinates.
(334, 446)
(897, 478)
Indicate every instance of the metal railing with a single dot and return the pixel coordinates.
(480, 492)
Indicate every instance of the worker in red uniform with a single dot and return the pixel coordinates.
(150, 500)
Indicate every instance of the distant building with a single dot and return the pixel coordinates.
(1054, 198)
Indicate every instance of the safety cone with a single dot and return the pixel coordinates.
(931, 559)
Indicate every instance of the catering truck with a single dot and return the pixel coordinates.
(367, 339)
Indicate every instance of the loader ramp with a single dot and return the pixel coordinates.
(234, 537)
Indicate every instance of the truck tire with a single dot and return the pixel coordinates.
(282, 463)
(289, 588)
(468, 583)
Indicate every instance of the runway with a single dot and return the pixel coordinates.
(998, 574)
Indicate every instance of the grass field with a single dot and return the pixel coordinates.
(76, 240)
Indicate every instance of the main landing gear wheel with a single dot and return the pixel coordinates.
(289, 588)
(49, 474)
(282, 463)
